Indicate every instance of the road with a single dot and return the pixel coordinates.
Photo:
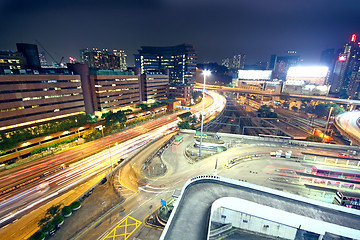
(26, 188)
(146, 192)
(348, 124)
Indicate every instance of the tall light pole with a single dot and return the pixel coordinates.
(327, 123)
(205, 73)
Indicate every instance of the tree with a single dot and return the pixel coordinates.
(142, 106)
(322, 110)
(197, 96)
(295, 108)
(286, 104)
(184, 125)
(114, 118)
(266, 112)
(285, 97)
(53, 210)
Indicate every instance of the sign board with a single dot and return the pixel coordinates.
(182, 107)
(163, 202)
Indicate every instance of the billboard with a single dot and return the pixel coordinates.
(255, 74)
(307, 72)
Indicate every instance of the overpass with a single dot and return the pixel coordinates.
(191, 216)
(256, 90)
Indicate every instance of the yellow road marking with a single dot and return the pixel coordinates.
(126, 227)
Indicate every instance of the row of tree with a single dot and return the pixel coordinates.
(11, 139)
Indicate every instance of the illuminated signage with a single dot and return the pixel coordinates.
(353, 37)
(312, 71)
(254, 74)
(342, 58)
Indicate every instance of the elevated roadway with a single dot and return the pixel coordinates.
(190, 217)
(275, 93)
(348, 125)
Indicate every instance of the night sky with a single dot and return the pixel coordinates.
(218, 29)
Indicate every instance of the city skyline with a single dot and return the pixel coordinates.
(218, 29)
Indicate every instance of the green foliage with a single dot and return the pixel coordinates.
(50, 213)
(184, 115)
(53, 210)
(112, 119)
(57, 220)
(75, 204)
(66, 210)
(37, 236)
(286, 104)
(322, 110)
(313, 138)
(12, 139)
(48, 227)
(285, 97)
(44, 221)
(266, 112)
(184, 125)
(142, 106)
(54, 145)
(197, 96)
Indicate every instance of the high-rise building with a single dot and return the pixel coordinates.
(236, 62)
(104, 59)
(327, 58)
(282, 64)
(43, 60)
(179, 60)
(345, 77)
(226, 62)
(11, 61)
(31, 53)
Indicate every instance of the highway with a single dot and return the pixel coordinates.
(32, 185)
(24, 199)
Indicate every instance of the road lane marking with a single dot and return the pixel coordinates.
(124, 229)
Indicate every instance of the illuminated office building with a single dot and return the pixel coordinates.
(154, 87)
(104, 59)
(179, 60)
(281, 64)
(236, 62)
(11, 61)
(345, 77)
(29, 99)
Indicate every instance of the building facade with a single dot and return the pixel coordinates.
(11, 61)
(179, 60)
(104, 59)
(114, 91)
(30, 99)
(153, 87)
(345, 77)
(236, 62)
(281, 64)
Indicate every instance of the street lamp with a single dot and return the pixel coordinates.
(327, 123)
(205, 73)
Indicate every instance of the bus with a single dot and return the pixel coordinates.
(179, 139)
(336, 172)
(207, 135)
(347, 199)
